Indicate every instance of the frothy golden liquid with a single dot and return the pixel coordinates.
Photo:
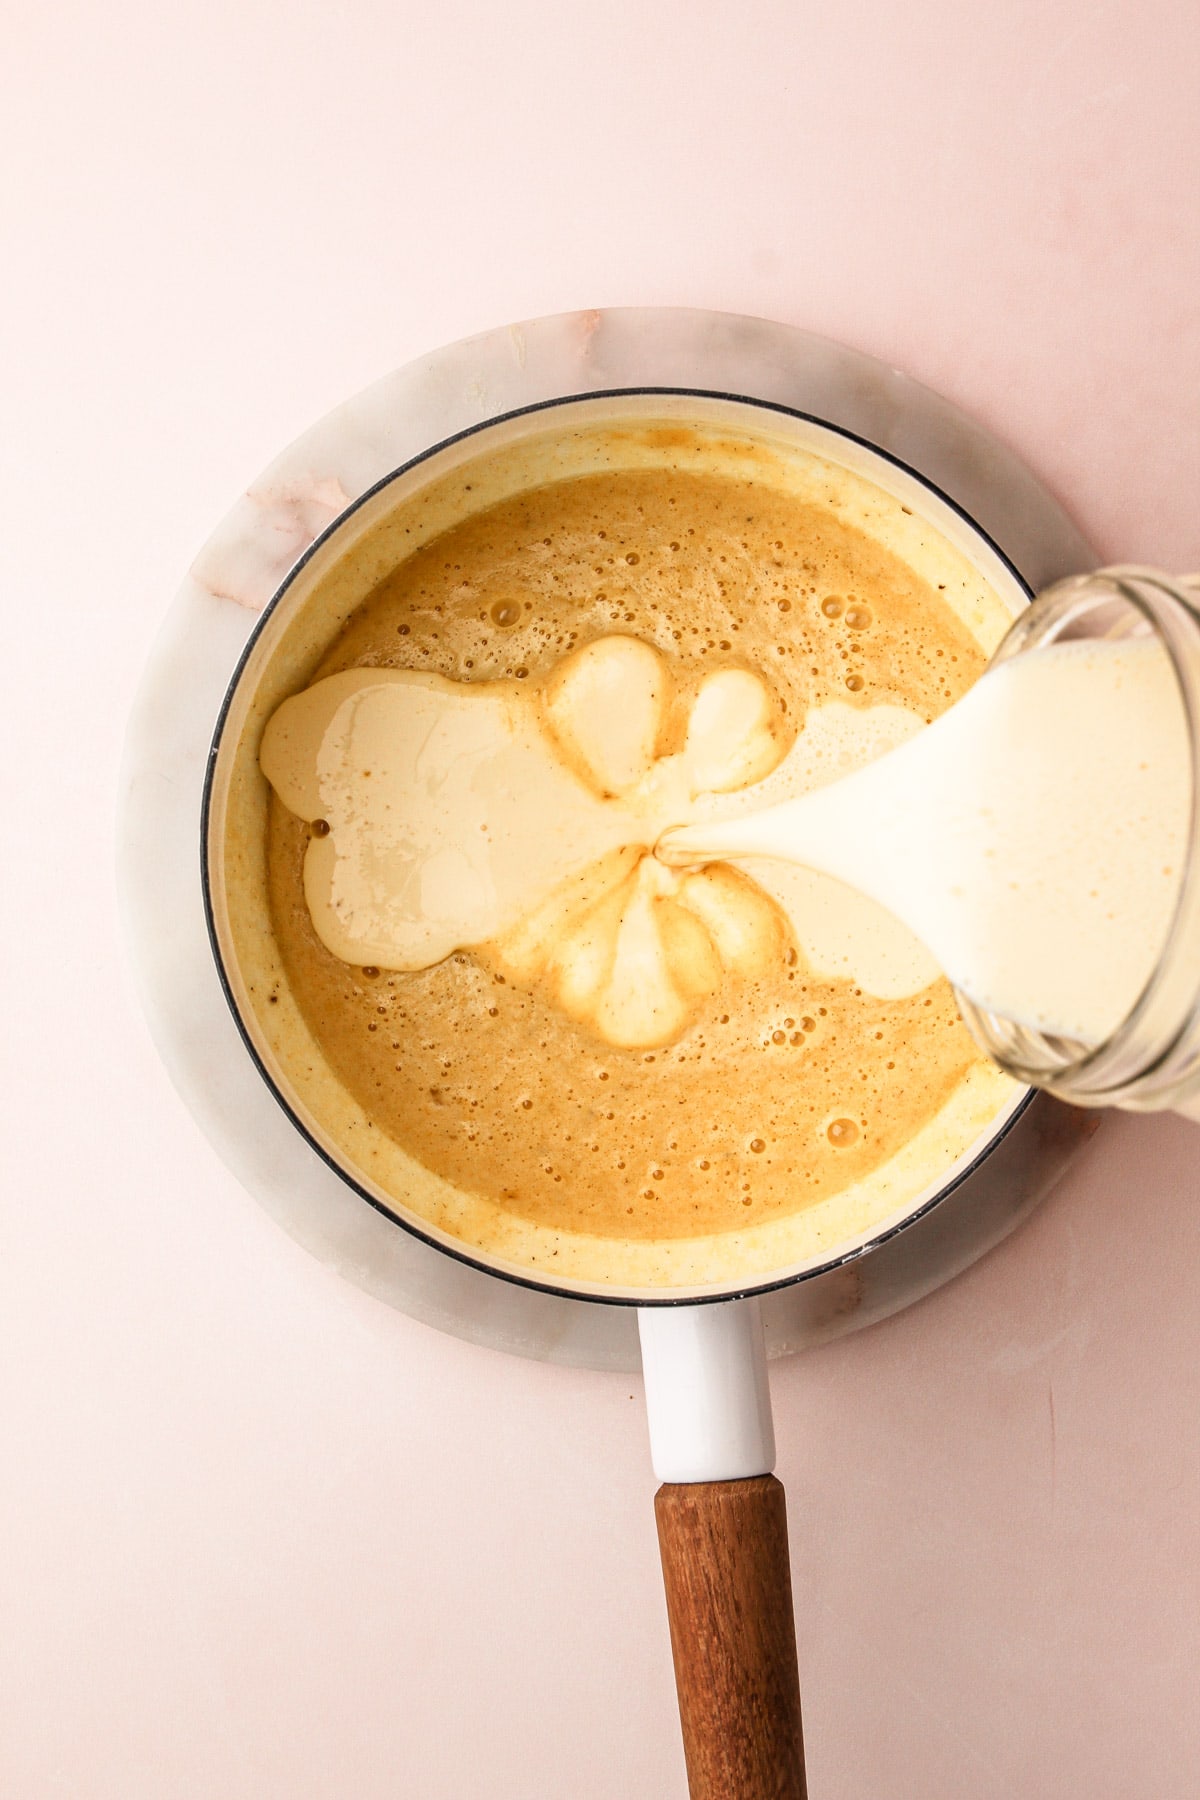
(798, 1061)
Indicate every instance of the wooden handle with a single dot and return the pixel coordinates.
(733, 1636)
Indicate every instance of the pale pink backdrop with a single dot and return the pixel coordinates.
(260, 1537)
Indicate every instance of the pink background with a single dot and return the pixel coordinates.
(260, 1537)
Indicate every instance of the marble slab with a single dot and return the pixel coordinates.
(201, 639)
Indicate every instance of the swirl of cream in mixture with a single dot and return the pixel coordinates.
(521, 823)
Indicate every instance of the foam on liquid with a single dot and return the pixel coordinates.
(1033, 837)
(827, 1079)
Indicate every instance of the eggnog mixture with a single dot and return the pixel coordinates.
(500, 971)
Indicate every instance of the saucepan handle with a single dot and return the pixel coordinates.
(722, 1532)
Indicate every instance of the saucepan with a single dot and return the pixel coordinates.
(720, 1512)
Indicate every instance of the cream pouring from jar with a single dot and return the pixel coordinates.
(1035, 838)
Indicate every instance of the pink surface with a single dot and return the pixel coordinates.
(263, 1537)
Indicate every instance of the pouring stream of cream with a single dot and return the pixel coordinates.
(1033, 837)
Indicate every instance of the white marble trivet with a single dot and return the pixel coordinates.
(193, 658)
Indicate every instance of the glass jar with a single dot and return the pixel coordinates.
(1151, 1062)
